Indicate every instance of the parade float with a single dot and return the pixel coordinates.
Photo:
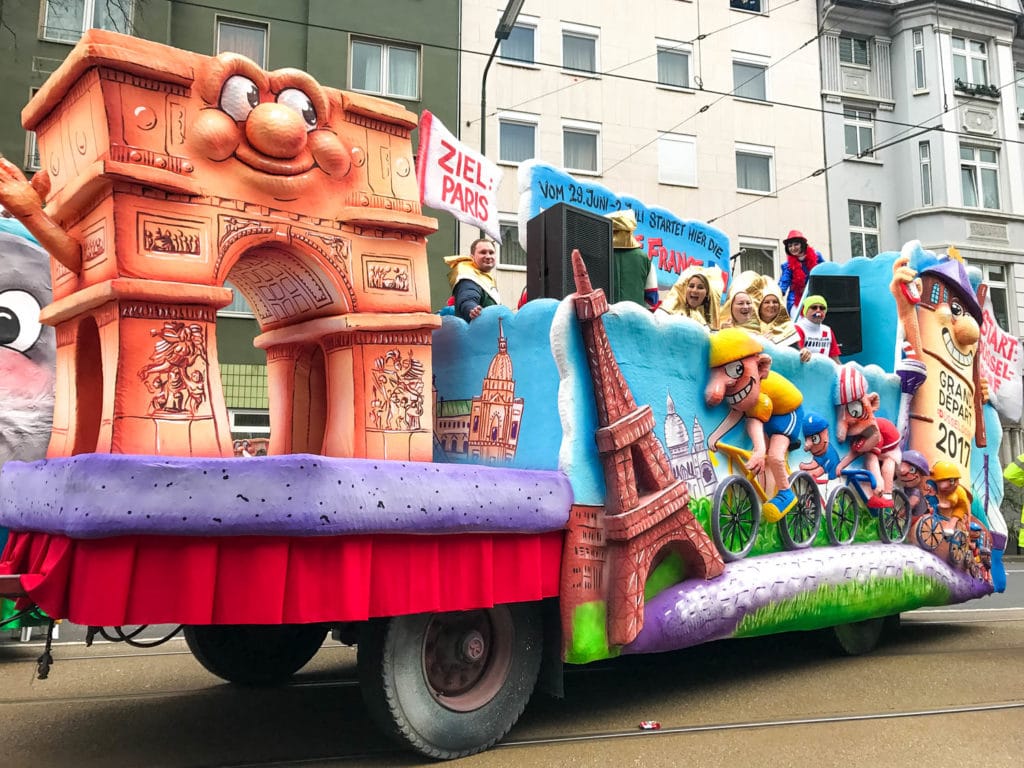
(468, 504)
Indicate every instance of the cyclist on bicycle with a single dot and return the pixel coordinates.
(741, 375)
(914, 473)
(954, 499)
(824, 462)
(871, 437)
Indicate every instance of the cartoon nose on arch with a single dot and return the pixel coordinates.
(276, 130)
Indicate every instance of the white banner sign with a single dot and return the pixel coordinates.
(1001, 365)
(456, 179)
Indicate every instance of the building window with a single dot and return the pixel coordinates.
(754, 168)
(970, 61)
(854, 50)
(757, 256)
(754, 6)
(579, 47)
(64, 21)
(673, 64)
(863, 229)
(677, 160)
(520, 45)
(924, 152)
(979, 176)
(517, 137)
(243, 37)
(1018, 76)
(581, 146)
(920, 76)
(749, 78)
(238, 307)
(385, 69)
(32, 162)
(512, 253)
(996, 276)
(859, 130)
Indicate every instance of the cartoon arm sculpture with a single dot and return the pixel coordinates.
(24, 200)
(906, 289)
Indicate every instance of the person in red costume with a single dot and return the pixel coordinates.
(800, 260)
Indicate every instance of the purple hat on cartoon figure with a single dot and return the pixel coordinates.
(917, 459)
(953, 273)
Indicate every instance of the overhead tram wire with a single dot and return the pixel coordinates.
(597, 75)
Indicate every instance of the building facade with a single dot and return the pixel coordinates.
(708, 112)
(923, 125)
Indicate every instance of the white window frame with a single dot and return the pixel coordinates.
(666, 143)
(583, 31)
(232, 21)
(762, 151)
(88, 20)
(250, 429)
(854, 41)
(753, 60)
(918, 61)
(519, 118)
(674, 48)
(582, 127)
(862, 230)
(1018, 77)
(1005, 285)
(531, 23)
(761, 244)
(759, 7)
(858, 119)
(32, 144)
(970, 57)
(924, 155)
(386, 47)
(505, 219)
(978, 165)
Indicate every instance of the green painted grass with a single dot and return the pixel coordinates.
(844, 603)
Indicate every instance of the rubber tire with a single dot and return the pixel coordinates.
(255, 654)
(803, 486)
(929, 533)
(831, 527)
(858, 637)
(741, 486)
(401, 701)
(900, 508)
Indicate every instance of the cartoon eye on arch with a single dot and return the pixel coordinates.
(239, 96)
(956, 308)
(19, 320)
(734, 370)
(301, 103)
(855, 409)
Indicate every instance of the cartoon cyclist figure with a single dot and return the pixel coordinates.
(769, 403)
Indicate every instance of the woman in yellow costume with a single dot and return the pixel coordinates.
(696, 295)
(776, 325)
(741, 307)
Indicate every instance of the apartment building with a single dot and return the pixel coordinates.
(709, 110)
(923, 126)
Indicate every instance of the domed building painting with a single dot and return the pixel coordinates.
(491, 431)
(690, 461)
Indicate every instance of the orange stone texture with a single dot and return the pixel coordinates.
(176, 172)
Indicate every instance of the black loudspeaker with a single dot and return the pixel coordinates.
(551, 236)
(842, 293)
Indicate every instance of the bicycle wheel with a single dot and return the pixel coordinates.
(958, 549)
(735, 518)
(894, 521)
(843, 516)
(800, 525)
(929, 532)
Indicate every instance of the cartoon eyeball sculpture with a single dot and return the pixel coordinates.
(274, 124)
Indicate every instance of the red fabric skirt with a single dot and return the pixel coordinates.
(270, 580)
